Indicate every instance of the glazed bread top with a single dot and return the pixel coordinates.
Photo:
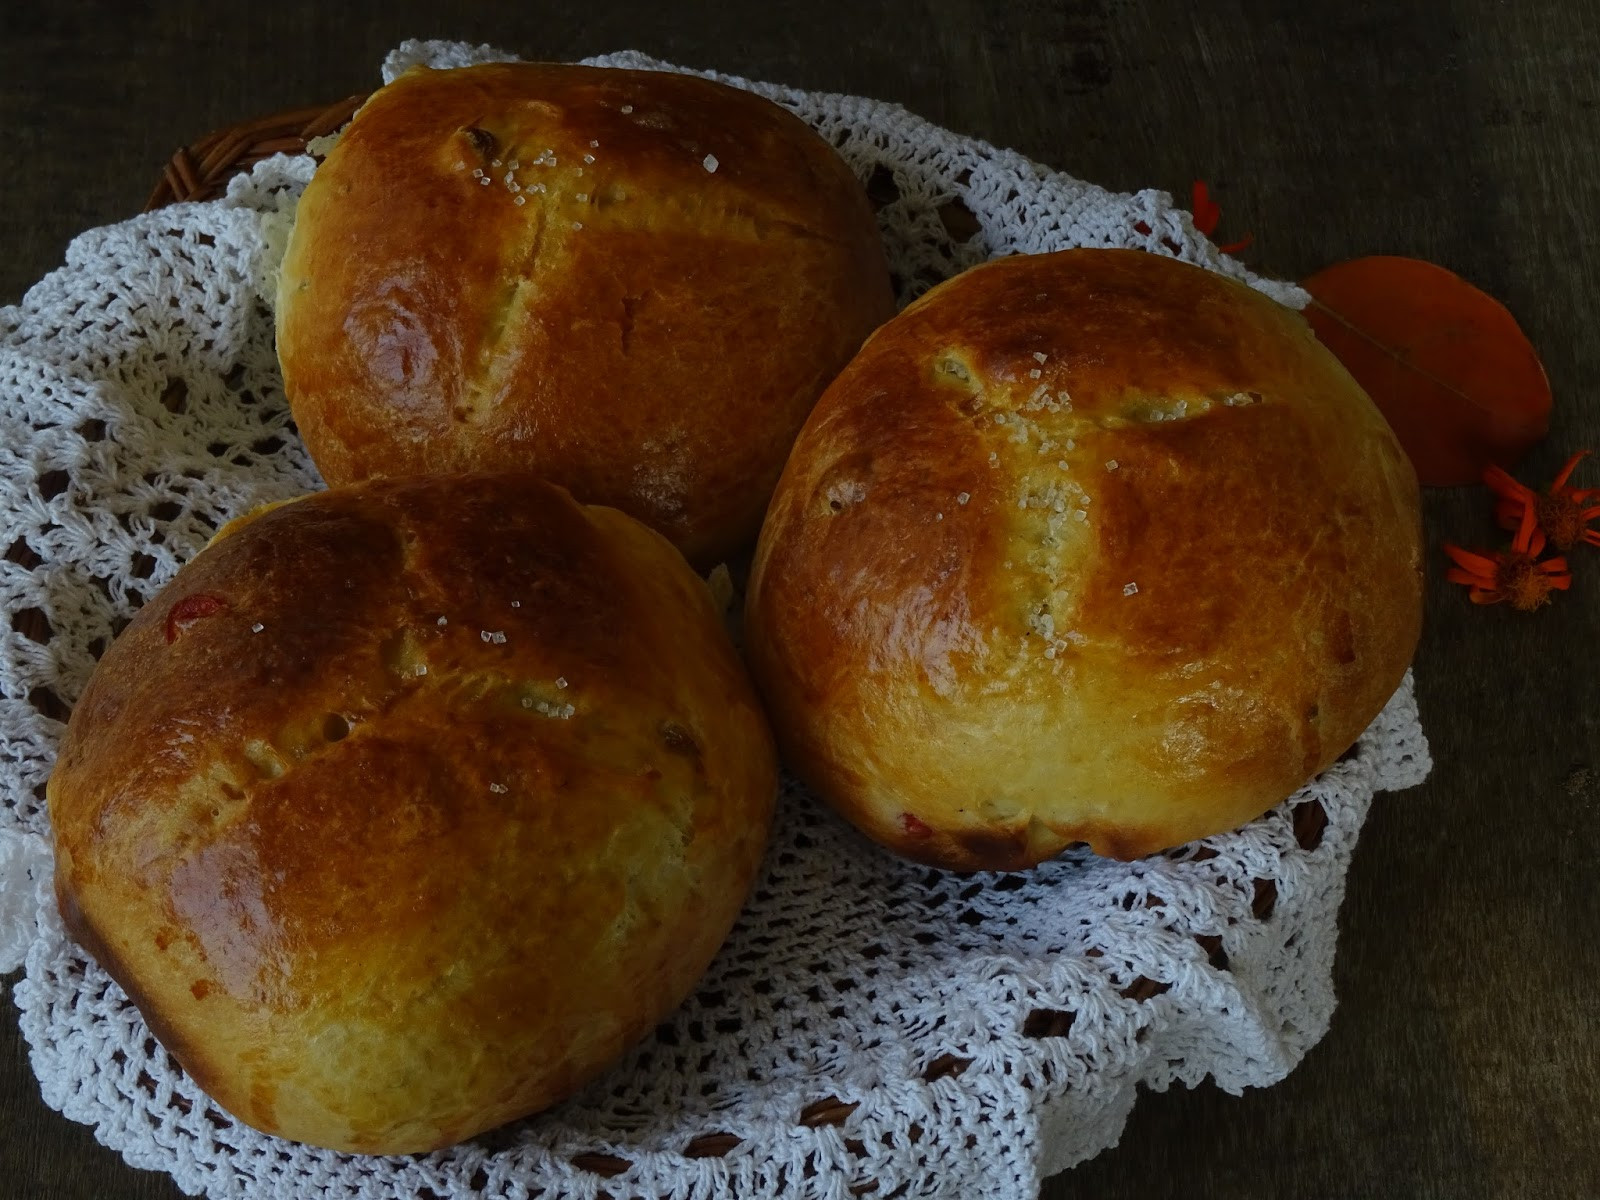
(404, 808)
(1091, 546)
(632, 283)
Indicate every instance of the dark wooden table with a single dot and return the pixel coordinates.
(1464, 1059)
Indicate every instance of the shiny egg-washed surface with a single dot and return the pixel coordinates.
(405, 808)
(562, 269)
(1114, 534)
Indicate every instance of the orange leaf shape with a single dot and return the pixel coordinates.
(1445, 363)
(1207, 214)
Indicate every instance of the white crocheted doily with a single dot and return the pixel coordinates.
(871, 1027)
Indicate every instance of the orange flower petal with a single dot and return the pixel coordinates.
(1483, 597)
(1566, 471)
(1503, 483)
(1471, 579)
(1206, 211)
(1529, 539)
(1471, 560)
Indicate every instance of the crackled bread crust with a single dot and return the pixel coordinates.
(632, 283)
(1092, 546)
(406, 807)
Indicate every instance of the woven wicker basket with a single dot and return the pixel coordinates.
(202, 171)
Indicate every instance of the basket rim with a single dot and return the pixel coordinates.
(202, 169)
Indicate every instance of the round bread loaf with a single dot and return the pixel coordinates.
(633, 283)
(1093, 547)
(406, 807)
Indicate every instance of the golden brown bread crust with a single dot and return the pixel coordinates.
(943, 616)
(643, 330)
(342, 840)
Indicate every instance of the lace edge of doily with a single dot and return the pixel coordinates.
(1069, 1127)
(26, 874)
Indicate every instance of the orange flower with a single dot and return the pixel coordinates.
(1207, 215)
(1516, 574)
(1563, 512)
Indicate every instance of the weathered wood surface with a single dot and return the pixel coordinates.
(1464, 1060)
